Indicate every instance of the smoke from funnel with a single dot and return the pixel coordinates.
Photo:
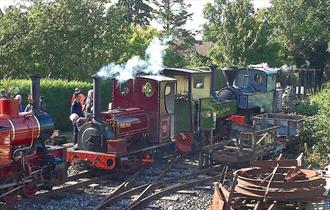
(282, 68)
(152, 64)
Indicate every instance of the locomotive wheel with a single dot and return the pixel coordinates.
(79, 165)
(11, 197)
(28, 190)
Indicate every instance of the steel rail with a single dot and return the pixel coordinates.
(62, 189)
(152, 184)
(171, 189)
(138, 189)
(121, 188)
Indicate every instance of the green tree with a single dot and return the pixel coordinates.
(173, 15)
(240, 34)
(301, 28)
(115, 35)
(137, 11)
(62, 38)
(138, 42)
(14, 47)
(66, 37)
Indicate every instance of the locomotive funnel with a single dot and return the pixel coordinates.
(230, 74)
(96, 97)
(213, 80)
(35, 92)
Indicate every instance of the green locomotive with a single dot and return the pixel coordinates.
(217, 109)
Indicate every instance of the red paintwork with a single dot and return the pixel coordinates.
(164, 128)
(239, 119)
(137, 98)
(18, 130)
(127, 123)
(22, 129)
(132, 115)
(9, 106)
(117, 146)
(183, 142)
(57, 151)
(94, 159)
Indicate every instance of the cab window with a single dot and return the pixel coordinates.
(199, 82)
(123, 88)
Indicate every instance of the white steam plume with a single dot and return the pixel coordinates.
(265, 66)
(152, 64)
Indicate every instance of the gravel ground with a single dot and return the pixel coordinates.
(89, 197)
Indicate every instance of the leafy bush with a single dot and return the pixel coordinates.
(317, 125)
(306, 108)
(57, 94)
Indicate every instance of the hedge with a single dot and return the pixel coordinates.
(57, 94)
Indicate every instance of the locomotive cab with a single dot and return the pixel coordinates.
(192, 85)
(195, 105)
(140, 121)
(153, 94)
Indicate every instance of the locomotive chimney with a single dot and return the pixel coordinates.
(35, 92)
(213, 79)
(96, 97)
(230, 74)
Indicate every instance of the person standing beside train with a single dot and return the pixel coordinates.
(76, 112)
(88, 104)
(81, 96)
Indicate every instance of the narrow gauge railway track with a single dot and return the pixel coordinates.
(82, 180)
(159, 187)
(73, 182)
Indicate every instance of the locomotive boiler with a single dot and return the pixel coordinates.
(26, 163)
(141, 121)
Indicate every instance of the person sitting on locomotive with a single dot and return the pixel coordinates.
(43, 104)
(88, 104)
(76, 112)
(20, 107)
(28, 107)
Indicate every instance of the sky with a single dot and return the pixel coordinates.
(196, 8)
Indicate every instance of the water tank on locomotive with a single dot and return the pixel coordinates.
(252, 88)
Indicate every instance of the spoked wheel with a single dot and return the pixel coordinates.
(9, 198)
(28, 190)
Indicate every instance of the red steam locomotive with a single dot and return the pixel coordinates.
(26, 164)
(140, 122)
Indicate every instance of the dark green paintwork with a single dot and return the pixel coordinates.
(210, 110)
(221, 83)
(183, 115)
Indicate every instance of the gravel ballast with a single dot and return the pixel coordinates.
(90, 196)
